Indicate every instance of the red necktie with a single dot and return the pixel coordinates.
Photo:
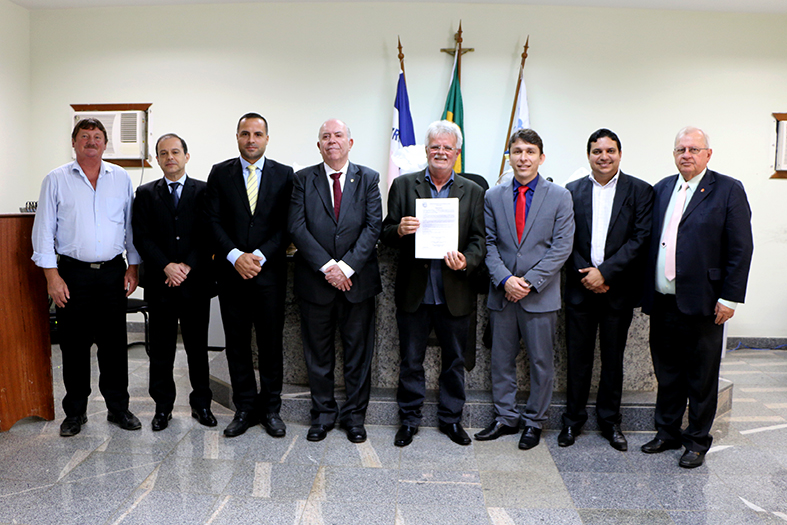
(521, 209)
(337, 194)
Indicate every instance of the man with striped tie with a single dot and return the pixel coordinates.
(247, 202)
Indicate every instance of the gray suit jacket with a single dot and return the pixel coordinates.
(547, 242)
(319, 237)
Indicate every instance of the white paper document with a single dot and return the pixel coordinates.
(438, 232)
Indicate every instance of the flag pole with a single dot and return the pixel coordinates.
(513, 108)
(401, 58)
(458, 39)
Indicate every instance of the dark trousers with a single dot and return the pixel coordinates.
(95, 313)
(686, 351)
(262, 307)
(356, 328)
(593, 315)
(194, 315)
(451, 332)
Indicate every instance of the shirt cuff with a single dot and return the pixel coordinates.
(258, 253)
(327, 265)
(728, 304)
(345, 268)
(502, 284)
(235, 253)
(45, 260)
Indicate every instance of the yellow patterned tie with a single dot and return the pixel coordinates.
(251, 187)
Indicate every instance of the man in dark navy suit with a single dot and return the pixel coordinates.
(248, 198)
(335, 221)
(700, 254)
(169, 233)
(612, 213)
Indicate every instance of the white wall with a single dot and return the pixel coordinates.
(15, 184)
(642, 73)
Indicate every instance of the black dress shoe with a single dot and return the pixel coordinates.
(160, 421)
(567, 436)
(404, 436)
(691, 459)
(318, 432)
(274, 426)
(530, 438)
(71, 426)
(355, 433)
(656, 445)
(456, 433)
(125, 420)
(495, 430)
(615, 437)
(240, 424)
(204, 417)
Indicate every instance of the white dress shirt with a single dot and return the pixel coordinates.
(603, 197)
(343, 266)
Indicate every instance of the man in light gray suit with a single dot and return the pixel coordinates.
(529, 235)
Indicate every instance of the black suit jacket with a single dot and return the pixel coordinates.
(163, 235)
(320, 238)
(232, 224)
(626, 244)
(715, 245)
(412, 273)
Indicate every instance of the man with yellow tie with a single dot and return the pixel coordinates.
(247, 203)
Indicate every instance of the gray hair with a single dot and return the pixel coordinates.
(444, 127)
(691, 129)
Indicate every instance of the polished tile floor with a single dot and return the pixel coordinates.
(191, 474)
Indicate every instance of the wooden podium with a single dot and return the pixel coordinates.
(25, 349)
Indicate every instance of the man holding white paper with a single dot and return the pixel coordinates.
(434, 290)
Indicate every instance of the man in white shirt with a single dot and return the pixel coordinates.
(604, 282)
(81, 229)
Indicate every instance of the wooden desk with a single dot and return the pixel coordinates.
(25, 349)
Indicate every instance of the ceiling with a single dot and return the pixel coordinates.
(727, 6)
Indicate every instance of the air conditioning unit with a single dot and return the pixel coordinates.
(126, 132)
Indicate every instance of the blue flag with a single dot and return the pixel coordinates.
(402, 132)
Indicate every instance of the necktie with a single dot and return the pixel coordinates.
(251, 187)
(337, 194)
(521, 210)
(174, 188)
(671, 235)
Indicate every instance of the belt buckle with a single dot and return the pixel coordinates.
(95, 266)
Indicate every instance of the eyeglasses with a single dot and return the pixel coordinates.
(693, 151)
(436, 149)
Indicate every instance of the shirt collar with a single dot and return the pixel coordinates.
(693, 183)
(245, 163)
(532, 184)
(329, 170)
(181, 181)
(450, 182)
(611, 184)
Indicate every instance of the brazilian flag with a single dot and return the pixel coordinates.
(455, 113)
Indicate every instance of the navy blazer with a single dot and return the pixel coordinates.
(626, 245)
(232, 225)
(163, 235)
(714, 248)
(319, 237)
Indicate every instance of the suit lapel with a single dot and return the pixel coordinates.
(239, 180)
(162, 188)
(585, 199)
(422, 187)
(507, 204)
(188, 193)
(660, 207)
(621, 192)
(320, 183)
(703, 190)
(539, 194)
(351, 180)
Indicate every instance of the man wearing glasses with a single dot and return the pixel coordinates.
(700, 253)
(434, 293)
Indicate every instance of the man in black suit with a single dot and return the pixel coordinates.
(700, 253)
(247, 202)
(170, 235)
(335, 221)
(612, 213)
(435, 293)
